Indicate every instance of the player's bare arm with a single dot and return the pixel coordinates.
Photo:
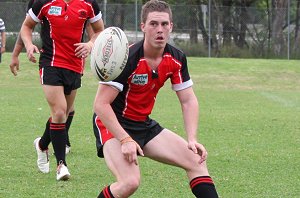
(190, 106)
(26, 35)
(84, 49)
(89, 30)
(104, 97)
(15, 63)
(3, 36)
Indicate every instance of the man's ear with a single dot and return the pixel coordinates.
(142, 27)
(171, 27)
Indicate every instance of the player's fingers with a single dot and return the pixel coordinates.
(12, 69)
(195, 150)
(136, 161)
(32, 59)
(15, 72)
(202, 152)
(36, 49)
(140, 151)
(133, 159)
(79, 47)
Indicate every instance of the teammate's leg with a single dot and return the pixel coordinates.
(68, 124)
(58, 106)
(168, 147)
(45, 139)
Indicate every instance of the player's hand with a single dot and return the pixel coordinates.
(31, 49)
(129, 149)
(14, 65)
(199, 149)
(83, 49)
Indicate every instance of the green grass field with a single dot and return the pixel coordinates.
(249, 123)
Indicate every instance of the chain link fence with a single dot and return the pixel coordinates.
(199, 30)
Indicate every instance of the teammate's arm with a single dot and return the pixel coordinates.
(26, 36)
(3, 37)
(84, 49)
(89, 30)
(14, 63)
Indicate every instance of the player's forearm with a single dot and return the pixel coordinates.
(190, 116)
(3, 36)
(94, 30)
(109, 119)
(18, 47)
(26, 36)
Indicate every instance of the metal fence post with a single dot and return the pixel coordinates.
(136, 21)
(209, 28)
(289, 30)
(104, 11)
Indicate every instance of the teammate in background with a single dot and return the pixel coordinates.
(2, 38)
(122, 125)
(61, 65)
(14, 67)
(19, 45)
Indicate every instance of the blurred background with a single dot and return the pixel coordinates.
(202, 28)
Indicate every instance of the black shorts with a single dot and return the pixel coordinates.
(141, 132)
(0, 56)
(57, 76)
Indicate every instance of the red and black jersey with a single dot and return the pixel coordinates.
(29, 5)
(139, 84)
(63, 26)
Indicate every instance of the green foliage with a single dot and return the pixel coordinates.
(249, 123)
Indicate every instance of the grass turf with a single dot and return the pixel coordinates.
(249, 123)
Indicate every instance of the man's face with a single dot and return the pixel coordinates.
(157, 29)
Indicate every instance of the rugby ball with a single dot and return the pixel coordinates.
(109, 54)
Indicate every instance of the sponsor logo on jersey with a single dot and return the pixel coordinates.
(55, 10)
(140, 79)
(82, 14)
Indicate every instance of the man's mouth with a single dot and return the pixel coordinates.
(159, 38)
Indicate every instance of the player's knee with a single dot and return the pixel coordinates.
(197, 169)
(131, 184)
(59, 115)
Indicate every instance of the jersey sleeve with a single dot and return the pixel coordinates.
(181, 79)
(29, 5)
(121, 80)
(35, 12)
(95, 14)
(131, 65)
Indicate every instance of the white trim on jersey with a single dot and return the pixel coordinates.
(32, 15)
(96, 18)
(181, 86)
(116, 85)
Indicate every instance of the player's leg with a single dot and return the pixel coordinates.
(58, 107)
(127, 174)
(45, 139)
(68, 124)
(70, 115)
(168, 147)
